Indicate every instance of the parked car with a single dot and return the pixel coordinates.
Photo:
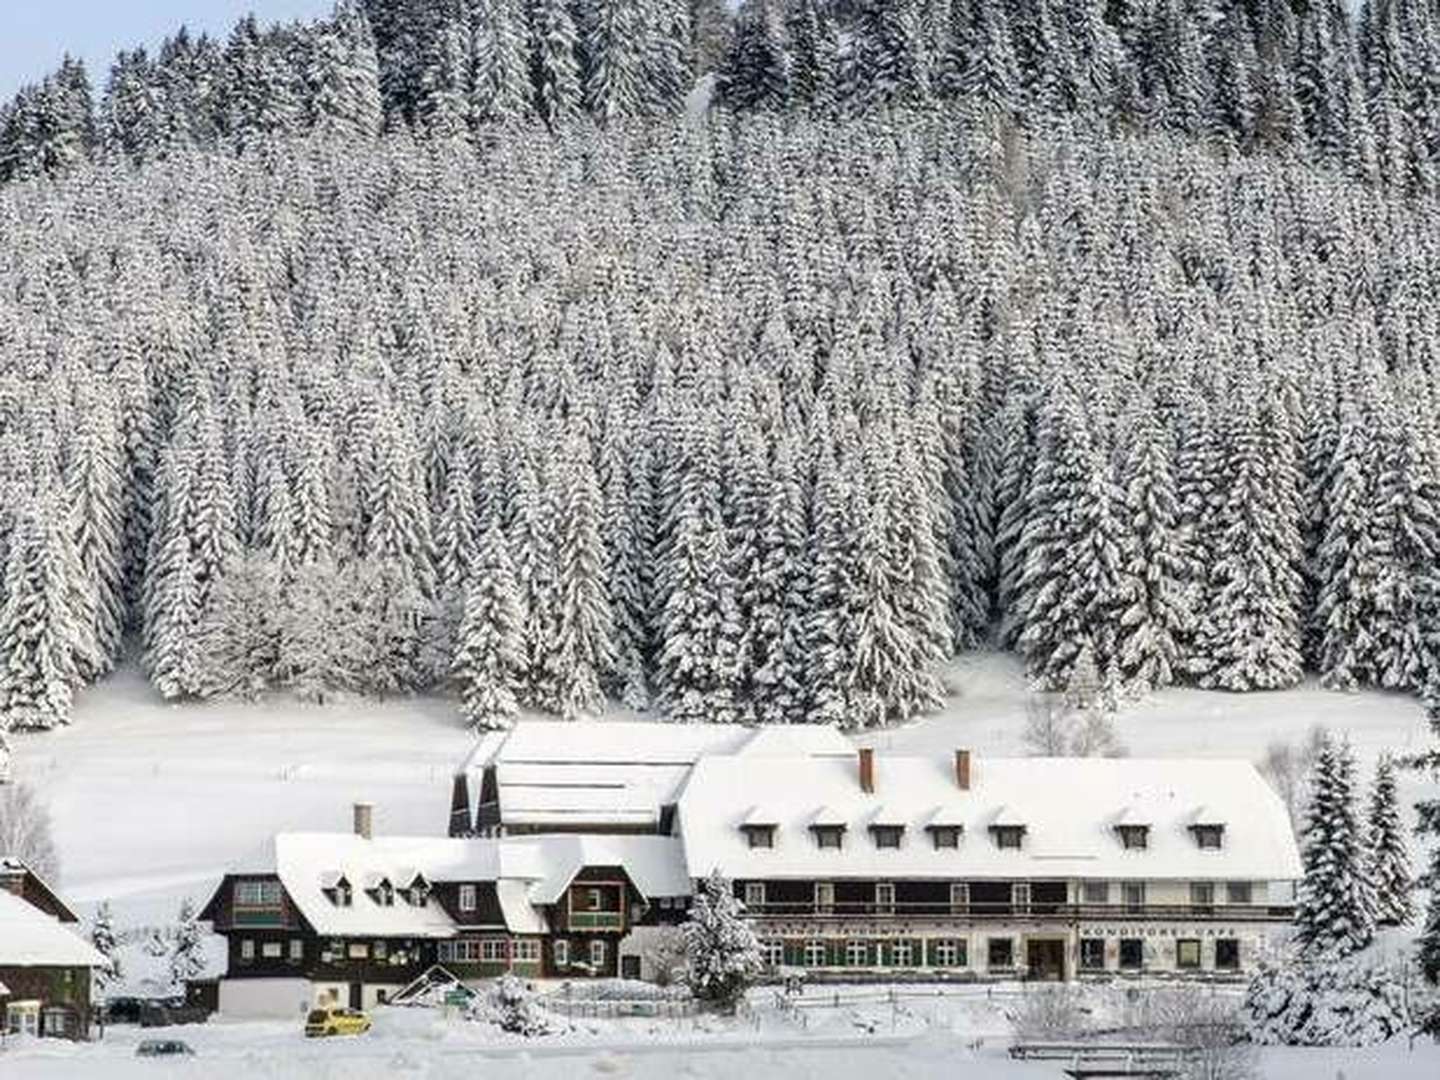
(168, 1012)
(163, 1048)
(123, 1010)
(336, 1021)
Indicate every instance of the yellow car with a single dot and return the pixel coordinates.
(336, 1021)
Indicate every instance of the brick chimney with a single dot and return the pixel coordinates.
(867, 770)
(365, 820)
(962, 769)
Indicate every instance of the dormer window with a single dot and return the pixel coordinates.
(1133, 837)
(887, 836)
(945, 836)
(336, 889)
(829, 836)
(1208, 837)
(1008, 837)
(417, 894)
(759, 836)
(380, 890)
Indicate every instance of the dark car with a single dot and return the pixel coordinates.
(123, 1010)
(163, 1048)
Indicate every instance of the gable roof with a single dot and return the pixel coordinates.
(10, 866)
(1068, 807)
(31, 938)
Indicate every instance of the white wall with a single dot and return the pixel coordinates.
(264, 999)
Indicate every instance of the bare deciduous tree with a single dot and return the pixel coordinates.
(25, 831)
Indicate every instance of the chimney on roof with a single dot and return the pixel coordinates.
(365, 820)
(867, 770)
(962, 769)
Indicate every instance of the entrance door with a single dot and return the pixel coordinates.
(1046, 960)
(357, 996)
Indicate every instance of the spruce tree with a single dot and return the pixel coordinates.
(1427, 826)
(38, 631)
(102, 937)
(500, 90)
(488, 654)
(722, 951)
(1334, 904)
(1388, 858)
(758, 72)
(554, 72)
(187, 950)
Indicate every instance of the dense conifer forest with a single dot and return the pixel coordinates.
(733, 369)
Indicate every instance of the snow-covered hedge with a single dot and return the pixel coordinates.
(621, 990)
(1325, 1003)
(512, 1005)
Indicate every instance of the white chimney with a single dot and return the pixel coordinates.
(365, 820)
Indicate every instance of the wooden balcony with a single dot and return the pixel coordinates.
(1047, 912)
(597, 920)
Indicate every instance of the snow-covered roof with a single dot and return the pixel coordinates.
(654, 864)
(552, 774)
(31, 938)
(1067, 806)
(527, 871)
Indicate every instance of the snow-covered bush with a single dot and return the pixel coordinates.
(1052, 1012)
(1211, 1024)
(665, 955)
(722, 952)
(1325, 1002)
(512, 1006)
(622, 990)
(102, 936)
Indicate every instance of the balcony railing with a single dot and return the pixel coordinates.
(841, 909)
(597, 920)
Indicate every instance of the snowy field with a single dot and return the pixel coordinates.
(965, 1032)
(151, 802)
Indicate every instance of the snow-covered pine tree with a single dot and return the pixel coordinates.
(778, 616)
(500, 83)
(489, 656)
(668, 74)
(38, 631)
(721, 948)
(344, 75)
(554, 72)
(614, 48)
(890, 65)
(1387, 853)
(102, 937)
(757, 75)
(187, 948)
(237, 638)
(814, 49)
(1334, 903)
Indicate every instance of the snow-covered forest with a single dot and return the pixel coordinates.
(745, 413)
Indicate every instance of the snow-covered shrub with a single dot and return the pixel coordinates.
(722, 952)
(1211, 1024)
(1052, 1012)
(665, 955)
(622, 990)
(1325, 1002)
(512, 1006)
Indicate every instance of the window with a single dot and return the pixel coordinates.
(525, 951)
(1000, 953)
(257, 894)
(419, 894)
(1020, 897)
(247, 949)
(959, 898)
(949, 953)
(945, 836)
(494, 950)
(1187, 953)
(773, 952)
(1202, 894)
(824, 897)
(884, 898)
(857, 954)
(597, 955)
(829, 836)
(1132, 954)
(1238, 892)
(381, 996)
(815, 954)
(887, 836)
(1132, 895)
(385, 894)
(380, 950)
(1008, 836)
(1095, 892)
(1227, 954)
(358, 951)
(561, 952)
(1134, 837)
(755, 894)
(1092, 954)
(759, 836)
(272, 950)
(467, 897)
(297, 949)
(901, 954)
(1208, 837)
(343, 896)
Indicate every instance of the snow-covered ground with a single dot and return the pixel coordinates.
(151, 802)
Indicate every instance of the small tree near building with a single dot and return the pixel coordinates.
(1428, 827)
(1389, 857)
(721, 950)
(102, 936)
(187, 952)
(1334, 909)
